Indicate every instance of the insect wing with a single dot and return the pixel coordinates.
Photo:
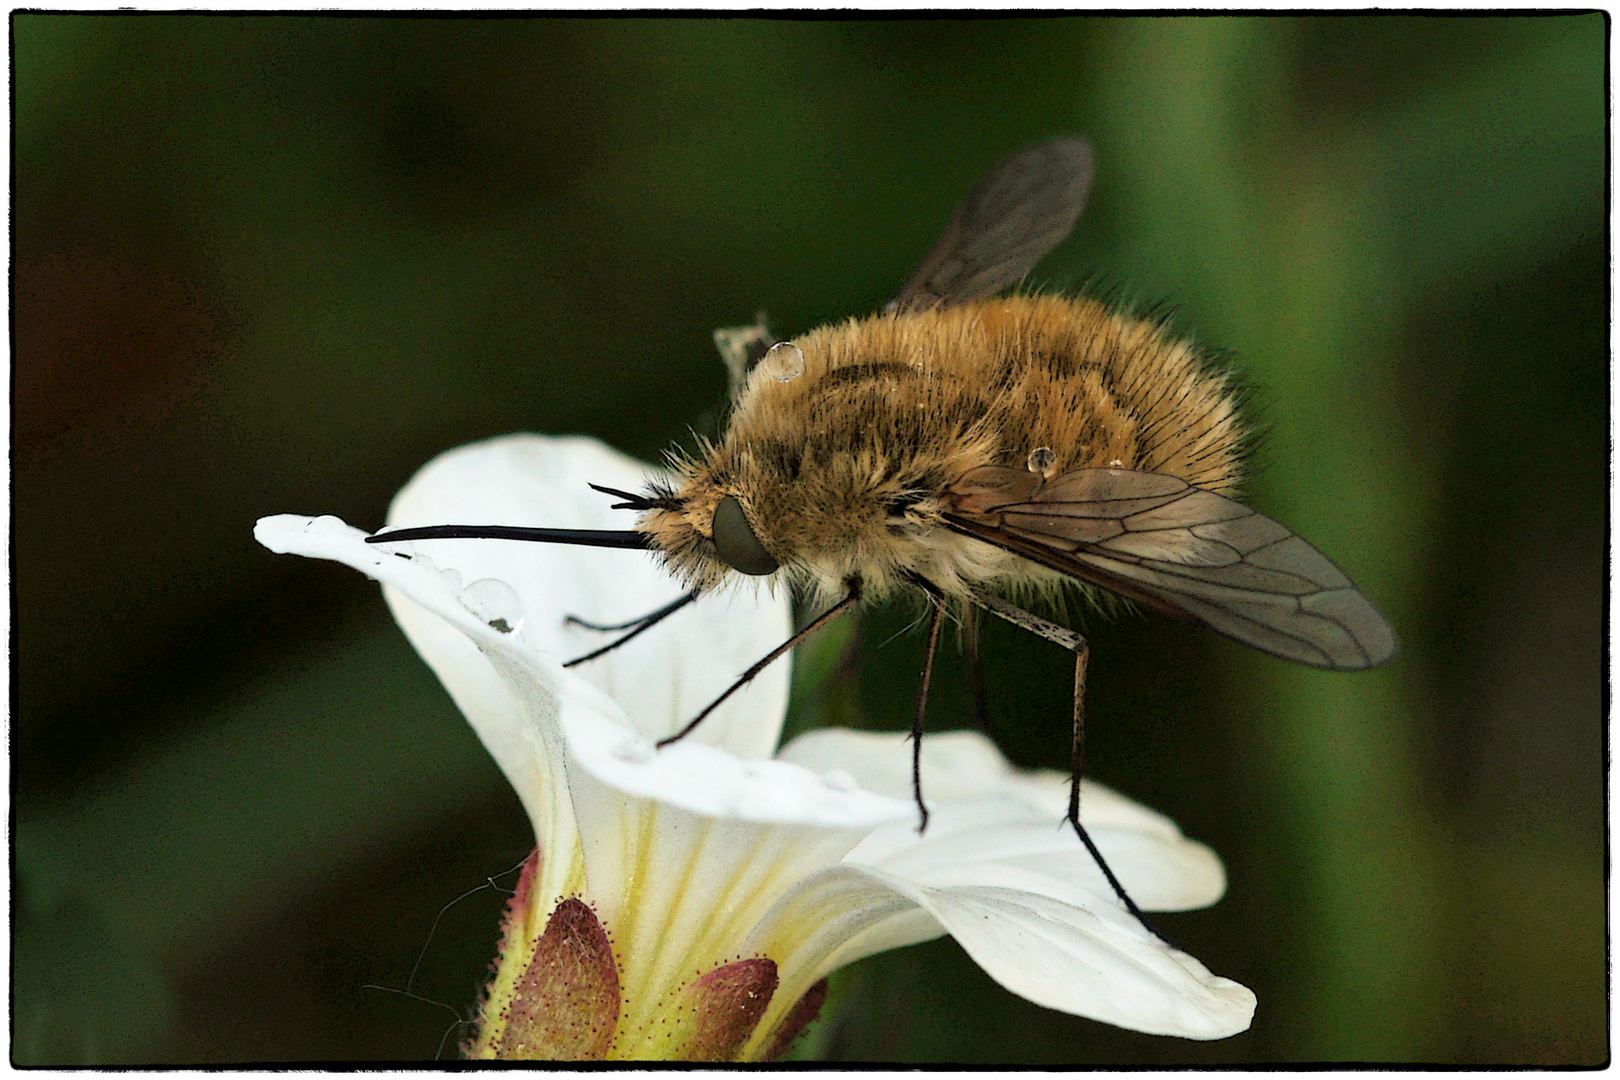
(1184, 551)
(1020, 210)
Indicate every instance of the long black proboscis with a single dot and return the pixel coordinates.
(605, 538)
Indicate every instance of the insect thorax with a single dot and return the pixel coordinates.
(841, 469)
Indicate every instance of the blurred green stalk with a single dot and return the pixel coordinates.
(1305, 249)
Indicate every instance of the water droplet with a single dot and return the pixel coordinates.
(1041, 461)
(783, 361)
(636, 751)
(326, 525)
(839, 780)
(452, 578)
(495, 602)
(1116, 464)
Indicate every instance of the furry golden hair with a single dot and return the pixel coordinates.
(840, 469)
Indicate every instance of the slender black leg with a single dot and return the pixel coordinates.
(850, 600)
(1076, 644)
(970, 640)
(643, 624)
(673, 605)
(922, 712)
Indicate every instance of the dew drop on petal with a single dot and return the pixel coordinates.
(494, 601)
(636, 751)
(1041, 461)
(326, 525)
(838, 780)
(783, 361)
(452, 578)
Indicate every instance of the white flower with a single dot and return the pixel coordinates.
(687, 900)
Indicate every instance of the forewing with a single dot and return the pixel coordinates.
(1184, 551)
(1020, 210)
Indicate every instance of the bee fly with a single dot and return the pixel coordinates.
(972, 447)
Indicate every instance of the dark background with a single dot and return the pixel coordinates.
(272, 264)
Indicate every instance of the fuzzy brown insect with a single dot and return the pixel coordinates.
(981, 448)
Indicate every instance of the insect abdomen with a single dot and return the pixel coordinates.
(1006, 376)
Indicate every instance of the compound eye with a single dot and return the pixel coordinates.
(736, 543)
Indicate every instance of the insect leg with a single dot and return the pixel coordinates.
(970, 624)
(852, 598)
(970, 643)
(575, 620)
(1076, 644)
(646, 622)
(922, 711)
(936, 596)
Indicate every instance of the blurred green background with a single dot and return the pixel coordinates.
(267, 264)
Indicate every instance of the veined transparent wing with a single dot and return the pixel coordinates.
(1181, 550)
(1020, 210)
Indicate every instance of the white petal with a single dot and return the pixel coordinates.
(708, 780)
(983, 810)
(1161, 873)
(826, 921)
(1046, 943)
(513, 693)
(681, 830)
(678, 891)
(955, 763)
(331, 538)
(664, 677)
(449, 636)
(837, 916)
(963, 764)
